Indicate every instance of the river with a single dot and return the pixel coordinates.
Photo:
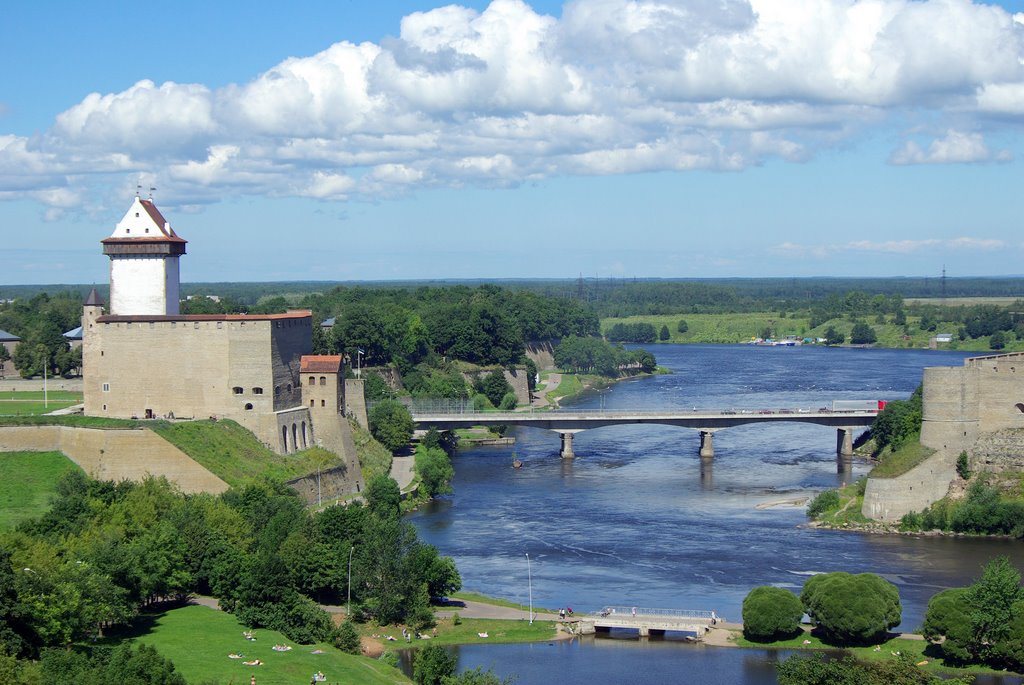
(636, 519)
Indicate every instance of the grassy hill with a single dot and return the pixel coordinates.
(29, 481)
(198, 640)
(236, 456)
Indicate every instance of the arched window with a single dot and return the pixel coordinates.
(1020, 407)
(295, 437)
(311, 403)
(284, 439)
(237, 390)
(323, 380)
(304, 441)
(312, 380)
(248, 406)
(257, 391)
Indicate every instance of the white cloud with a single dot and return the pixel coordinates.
(504, 95)
(904, 247)
(955, 148)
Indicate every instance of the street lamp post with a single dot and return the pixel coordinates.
(348, 607)
(529, 577)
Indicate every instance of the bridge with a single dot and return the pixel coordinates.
(568, 422)
(649, 621)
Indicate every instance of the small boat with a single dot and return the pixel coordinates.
(516, 464)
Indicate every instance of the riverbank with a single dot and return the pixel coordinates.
(730, 329)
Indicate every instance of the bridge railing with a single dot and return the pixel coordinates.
(629, 612)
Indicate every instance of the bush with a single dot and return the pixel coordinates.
(508, 402)
(431, 665)
(481, 403)
(851, 609)
(823, 502)
(771, 613)
(682, 326)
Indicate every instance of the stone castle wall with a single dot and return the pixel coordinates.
(977, 408)
(196, 367)
(116, 455)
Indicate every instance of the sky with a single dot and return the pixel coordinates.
(352, 140)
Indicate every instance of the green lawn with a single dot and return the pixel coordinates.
(198, 640)
(68, 420)
(28, 483)
(33, 407)
(61, 395)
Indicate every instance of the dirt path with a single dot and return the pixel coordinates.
(402, 471)
(471, 609)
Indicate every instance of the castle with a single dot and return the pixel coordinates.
(142, 358)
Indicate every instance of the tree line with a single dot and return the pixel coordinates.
(40, 322)
(105, 550)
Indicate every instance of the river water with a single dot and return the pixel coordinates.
(637, 520)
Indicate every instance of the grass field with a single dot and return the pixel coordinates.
(28, 483)
(198, 640)
(235, 455)
(24, 402)
(910, 454)
(742, 327)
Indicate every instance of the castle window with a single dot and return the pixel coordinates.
(1020, 407)
(195, 325)
(136, 215)
(104, 407)
(174, 324)
(127, 230)
(237, 390)
(147, 230)
(106, 387)
(257, 391)
(289, 387)
(220, 324)
(310, 402)
(312, 380)
(323, 380)
(152, 325)
(248, 406)
(323, 403)
(277, 390)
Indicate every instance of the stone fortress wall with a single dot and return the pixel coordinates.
(245, 368)
(977, 408)
(107, 454)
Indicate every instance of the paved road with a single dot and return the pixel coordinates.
(402, 471)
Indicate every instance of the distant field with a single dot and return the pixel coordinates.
(28, 483)
(198, 640)
(737, 328)
(958, 301)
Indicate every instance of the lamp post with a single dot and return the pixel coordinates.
(359, 363)
(529, 578)
(348, 607)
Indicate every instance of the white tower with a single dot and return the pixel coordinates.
(143, 251)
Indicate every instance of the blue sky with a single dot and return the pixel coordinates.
(405, 140)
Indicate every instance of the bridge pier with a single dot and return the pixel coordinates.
(567, 452)
(844, 444)
(707, 446)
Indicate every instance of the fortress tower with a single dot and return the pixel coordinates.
(144, 252)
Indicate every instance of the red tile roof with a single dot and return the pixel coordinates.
(298, 314)
(320, 363)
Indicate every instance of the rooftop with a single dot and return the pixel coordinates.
(320, 363)
(297, 314)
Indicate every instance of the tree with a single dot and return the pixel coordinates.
(993, 606)
(862, 334)
(682, 326)
(997, 341)
(391, 424)
(478, 677)
(383, 497)
(347, 639)
(851, 609)
(432, 664)
(435, 471)
(664, 335)
(771, 613)
(495, 386)
(834, 337)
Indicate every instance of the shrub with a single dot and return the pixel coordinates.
(823, 502)
(508, 402)
(431, 665)
(771, 613)
(962, 467)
